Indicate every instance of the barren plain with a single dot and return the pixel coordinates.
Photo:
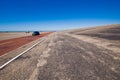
(82, 54)
(10, 35)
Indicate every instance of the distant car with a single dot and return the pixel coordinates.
(35, 33)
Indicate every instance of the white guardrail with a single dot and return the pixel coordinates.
(5, 64)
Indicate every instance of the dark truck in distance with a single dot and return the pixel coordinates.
(35, 33)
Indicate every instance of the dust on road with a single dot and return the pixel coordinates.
(63, 57)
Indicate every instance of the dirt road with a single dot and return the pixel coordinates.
(64, 57)
(11, 44)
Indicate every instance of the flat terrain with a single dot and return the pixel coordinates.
(67, 56)
(10, 35)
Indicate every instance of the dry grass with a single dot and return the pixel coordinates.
(106, 36)
(110, 32)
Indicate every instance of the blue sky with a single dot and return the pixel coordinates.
(57, 14)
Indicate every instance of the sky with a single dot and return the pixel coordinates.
(21, 15)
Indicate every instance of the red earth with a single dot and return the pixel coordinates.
(12, 44)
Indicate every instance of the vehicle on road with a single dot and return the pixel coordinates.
(35, 33)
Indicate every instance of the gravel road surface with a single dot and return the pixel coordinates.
(64, 57)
